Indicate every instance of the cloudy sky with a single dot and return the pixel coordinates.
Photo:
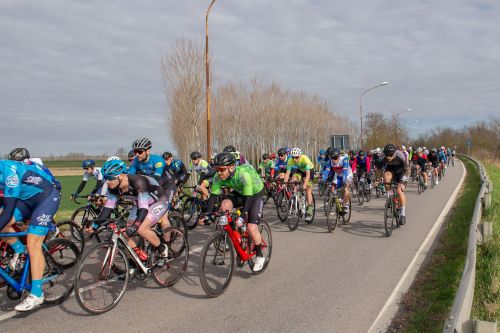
(84, 76)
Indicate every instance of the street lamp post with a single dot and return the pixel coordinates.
(396, 123)
(207, 90)
(361, 109)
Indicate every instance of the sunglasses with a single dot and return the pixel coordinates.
(296, 157)
(221, 169)
(281, 155)
(106, 177)
(138, 151)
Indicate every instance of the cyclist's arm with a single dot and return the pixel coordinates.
(9, 205)
(368, 164)
(98, 185)
(81, 187)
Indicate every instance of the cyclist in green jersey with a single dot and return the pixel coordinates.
(301, 167)
(248, 192)
(266, 167)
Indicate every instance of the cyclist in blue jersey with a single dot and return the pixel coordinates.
(281, 163)
(23, 155)
(144, 162)
(176, 168)
(30, 187)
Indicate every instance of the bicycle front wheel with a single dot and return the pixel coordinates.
(101, 279)
(168, 271)
(346, 214)
(331, 221)
(389, 217)
(281, 206)
(177, 220)
(82, 215)
(361, 193)
(61, 256)
(292, 213)
(217, 264)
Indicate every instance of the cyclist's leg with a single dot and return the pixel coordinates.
(156, 211)
(256, 205)
(309, 192)
(387, 179)
(204, 189)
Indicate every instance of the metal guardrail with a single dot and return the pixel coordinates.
(459, 319)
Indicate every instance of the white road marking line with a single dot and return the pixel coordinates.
(378, 325)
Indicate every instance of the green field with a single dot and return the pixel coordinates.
(69, 164)
(69, 185)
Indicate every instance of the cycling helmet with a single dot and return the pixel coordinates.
(434, 150)
(111, 169)
(229, 149)
(113, 158)
(389, 149)
(224, 159)
(265, 156)
(166, 155)
(213, 156)
(403, 147)
(419, 150)
(329, 151)
(142, 144)
(442, 148)
(131, 154)
(351, 152)
(272, 156)
(361, 153)
(288, 150)
(296, 152)
(378, 150)
(88, 164)
(281, 151)
(195, 155)
(335, 153)
(19, 154)
(322, 152)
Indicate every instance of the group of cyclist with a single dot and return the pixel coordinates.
(28, 190)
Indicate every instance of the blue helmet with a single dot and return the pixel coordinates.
(111, 169)
(322, 152)
(88, 164)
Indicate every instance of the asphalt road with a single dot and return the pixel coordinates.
(316, 281)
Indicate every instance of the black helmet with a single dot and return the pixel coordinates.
(335, 153)
(281, 151)
(224, 159)
(389, 149)
(229, 149)
(265, 156)
(329, 151)
(351, 152)
(166, 155)
(131, 154)
(19, 154)
(195, 155)
(361, 152)
(142, 144)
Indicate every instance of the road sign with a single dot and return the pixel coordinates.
(340, 141)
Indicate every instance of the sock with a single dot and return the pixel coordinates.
(36, 288)
(403, 211)
(258, 249)
(18, 247)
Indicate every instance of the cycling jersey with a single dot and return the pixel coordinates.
(398, 165)
(361, 164)
(203, 169)
(338, 169)
(267, 167)
(322, 162)
(303, 164)
(280, 166)
(433, 158)
(177, 169)
(28, 186)
(152, 167)
(100, 184)
(421, 161)
(246, 183)
(441, 156)
(152, 201)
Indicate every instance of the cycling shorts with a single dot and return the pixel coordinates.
(397, 174)
(256, 205)
(43, 213)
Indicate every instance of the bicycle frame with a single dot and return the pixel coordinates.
(22, 284)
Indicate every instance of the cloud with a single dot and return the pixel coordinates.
(84, 76)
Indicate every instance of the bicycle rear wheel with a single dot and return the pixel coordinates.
(388, 217)
(71, 231)
(314, 210)
(82, 215)
(217, 264)
(267, 246)
(292, 213)
(61, 256)
(346, 214)
(188, 209)
(168, 271)
(368, 192)
(101, 279)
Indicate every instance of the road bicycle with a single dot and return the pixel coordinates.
(217, 258)
(193, 204)
(334, 208)
(281, 198)
(269, 188)
(392, 211)
(60, 256)
(296, 206)
(104, 272)
(420, 183)
(364, 191)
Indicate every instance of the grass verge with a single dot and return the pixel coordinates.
(486, 304)
(427, 304)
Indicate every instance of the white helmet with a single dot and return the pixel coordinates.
(378, 150)
(403, 147)
(113, 158)
(296, 152)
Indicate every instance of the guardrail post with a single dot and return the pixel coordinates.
(485, 232)
(484, 326)
(487, 200)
